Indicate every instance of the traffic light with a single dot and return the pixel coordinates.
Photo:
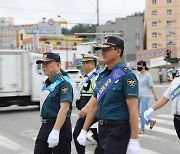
(80, 36)
(168, 54)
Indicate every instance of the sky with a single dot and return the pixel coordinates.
(73, 11)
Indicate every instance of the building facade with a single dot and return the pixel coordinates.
(130, 29)
(162, 29)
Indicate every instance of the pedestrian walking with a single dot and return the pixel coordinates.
(114, 103)
(86, 87)
(145, 85)
(55, 134)
(161, 73)
(172, 93)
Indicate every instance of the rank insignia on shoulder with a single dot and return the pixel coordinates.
(64, 90)
(131, 82)
(126, 69)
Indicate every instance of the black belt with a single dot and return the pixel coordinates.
(45, 121)
(107, 122)
(177, 117)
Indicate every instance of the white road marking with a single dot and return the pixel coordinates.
(9, 144)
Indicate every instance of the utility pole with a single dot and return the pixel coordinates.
(97, 12)
(167, 40)
(65, 22)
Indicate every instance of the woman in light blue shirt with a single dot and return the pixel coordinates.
(145, 86)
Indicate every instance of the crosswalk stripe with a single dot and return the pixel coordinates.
(168, 116)
(9, 144)
(161, 121)
(146, 151)
(164, 130)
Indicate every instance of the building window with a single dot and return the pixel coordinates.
(154, 34)
(154, 12)
(154, 45)
(169, 12)
(21, 36)
(58, 43)
(154, 23)
(47, 43)
(169, 1)
(154, 1)
(168, 23)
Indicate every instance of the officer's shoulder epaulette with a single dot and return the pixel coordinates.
(97, 72)
(125, 69)
(65, 78)
(62, 78)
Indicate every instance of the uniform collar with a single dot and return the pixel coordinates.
(118, 65)
(94, 70)
(54, 78)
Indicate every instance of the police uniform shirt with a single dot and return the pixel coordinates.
(93, 80)
(113, 105)
(62, 93)
(176, 101)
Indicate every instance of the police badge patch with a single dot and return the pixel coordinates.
(64, 90)
(131, 82)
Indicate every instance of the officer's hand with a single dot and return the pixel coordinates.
(83, 112)
(133, 147)
(156, 98)
(82, 137)
(148, 113)
(53, 138)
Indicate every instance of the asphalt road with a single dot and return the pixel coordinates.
(19, 127)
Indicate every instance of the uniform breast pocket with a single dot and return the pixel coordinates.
(54, 96)
(117, 90)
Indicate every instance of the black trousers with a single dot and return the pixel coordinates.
(65, 138)
(79, 125)
(113, 139)
(177, 125)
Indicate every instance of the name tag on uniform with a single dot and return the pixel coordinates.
(113, 77)
(175, 93)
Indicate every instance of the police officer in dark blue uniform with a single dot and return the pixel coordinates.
(55, 134)
(114, 102)
(89, 63)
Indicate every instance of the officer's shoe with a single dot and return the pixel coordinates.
(90, 138)
(152, 123)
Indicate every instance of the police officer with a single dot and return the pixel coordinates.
(114, 102)
(55, 134)
(89, 63)
(172, 93)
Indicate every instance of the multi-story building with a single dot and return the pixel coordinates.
(162, 29)
(6, 21)
(9, 33)
(130, 29)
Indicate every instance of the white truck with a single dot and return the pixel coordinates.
(21, 79)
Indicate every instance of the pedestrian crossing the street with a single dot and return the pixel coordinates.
(162, 139)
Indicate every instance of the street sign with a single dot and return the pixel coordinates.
(51, 21)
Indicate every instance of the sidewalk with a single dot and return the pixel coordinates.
(161, 84)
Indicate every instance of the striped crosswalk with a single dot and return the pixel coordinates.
(161, 139)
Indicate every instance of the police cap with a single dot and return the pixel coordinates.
(49, 57)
